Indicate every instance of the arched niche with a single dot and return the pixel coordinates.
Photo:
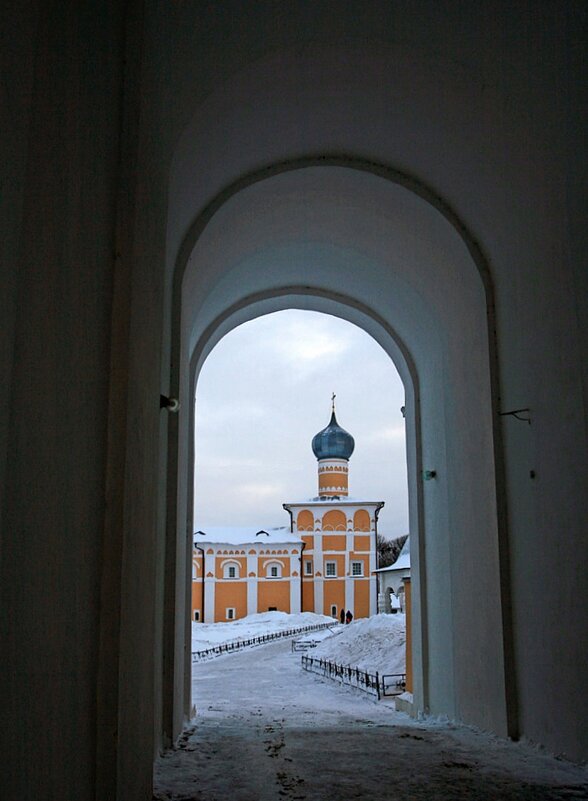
(361, 520)
(305, 521)
(334, 520)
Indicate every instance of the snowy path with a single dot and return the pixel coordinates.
(267, 731)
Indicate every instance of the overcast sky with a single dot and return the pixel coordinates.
(265, 391)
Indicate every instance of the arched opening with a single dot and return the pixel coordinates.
(260, 393)
(353, 241)
(337, 305)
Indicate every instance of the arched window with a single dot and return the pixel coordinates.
(231, 570)
(273, 570)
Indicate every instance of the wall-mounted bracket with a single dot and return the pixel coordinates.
(517, 413)
(171, 404)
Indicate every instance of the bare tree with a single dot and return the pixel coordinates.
(388, 550)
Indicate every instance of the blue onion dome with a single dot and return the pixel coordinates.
(333, 442)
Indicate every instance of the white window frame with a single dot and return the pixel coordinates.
(354, 564)
(271, 567)
(327, 566)
(308, 567)
(334, 612)
(227, 570)
(230, 613)
(197, 615)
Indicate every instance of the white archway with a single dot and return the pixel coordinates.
(354, 241)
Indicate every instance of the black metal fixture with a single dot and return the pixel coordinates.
(517, 413)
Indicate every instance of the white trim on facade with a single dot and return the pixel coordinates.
(295, 588)
(349, 594)
(209, 567)
(330, 569)
(231, 569)
(319, 595)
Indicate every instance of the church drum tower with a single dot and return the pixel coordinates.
(338, 532)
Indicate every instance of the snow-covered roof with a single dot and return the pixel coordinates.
(341, 500)
(403, 561)
(239, 535)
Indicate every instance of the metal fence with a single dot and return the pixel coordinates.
(393, 683)
(384, 685)
(252, 642)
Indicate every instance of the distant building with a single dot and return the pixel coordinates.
(391, 581)
(323, 562)
(240, 571)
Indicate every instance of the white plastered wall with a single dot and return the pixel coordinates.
(441, 108)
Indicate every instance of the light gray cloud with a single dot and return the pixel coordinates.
(264, 392)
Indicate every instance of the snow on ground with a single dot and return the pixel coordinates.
(207, 635)
(373, 644)
(267, 730)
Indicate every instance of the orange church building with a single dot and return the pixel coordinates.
(323, 562)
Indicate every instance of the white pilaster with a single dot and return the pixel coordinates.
(319, 596)
(251, 596)
(209, 563)
(295, 605)
(373, 596)
(252, 563)
(349, 544)
(373, 579)
(318, 564)
(372, 552)
(349, 594)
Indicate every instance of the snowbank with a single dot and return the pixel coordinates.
(374, 643)
(207, 635)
